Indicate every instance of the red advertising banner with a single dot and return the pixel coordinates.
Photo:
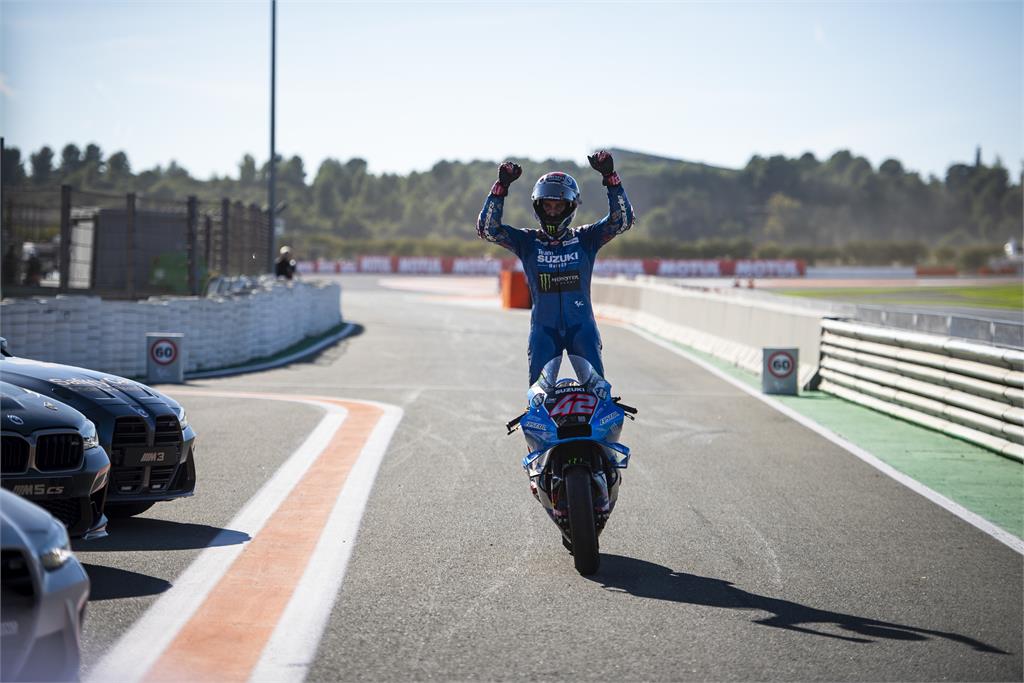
(458, 265)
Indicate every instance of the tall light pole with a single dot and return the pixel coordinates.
(273, 151)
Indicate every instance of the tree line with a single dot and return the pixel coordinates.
(840, 209)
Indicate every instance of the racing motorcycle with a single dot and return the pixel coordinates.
(572, 432)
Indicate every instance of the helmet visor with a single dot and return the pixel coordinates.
(554, 190)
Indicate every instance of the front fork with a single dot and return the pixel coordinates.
(548, 486)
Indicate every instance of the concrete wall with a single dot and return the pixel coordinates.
(719, 323)
(219, 331)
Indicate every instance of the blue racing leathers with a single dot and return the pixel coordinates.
(558, 275)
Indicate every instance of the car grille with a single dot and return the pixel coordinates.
(160, 478)
(126, 479)
(59, 452)
(129, 431)
(168, 431)
(68, 511)
(15, 576)
(13, 455)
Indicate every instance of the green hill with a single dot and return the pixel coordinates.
(772, 206)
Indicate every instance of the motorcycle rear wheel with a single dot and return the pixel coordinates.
(580, 501)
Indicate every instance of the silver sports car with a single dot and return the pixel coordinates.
(44, 591)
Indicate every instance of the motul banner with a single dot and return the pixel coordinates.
(769, 268)
(420, 265)
(474, 266)
(619, 266)
(677, 268)
(375, 264)
(689, 268)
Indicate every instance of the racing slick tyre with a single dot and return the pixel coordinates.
(127, 509)
(580, 501)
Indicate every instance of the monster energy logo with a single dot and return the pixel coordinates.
(559, 282)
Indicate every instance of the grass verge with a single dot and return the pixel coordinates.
(1003, 296)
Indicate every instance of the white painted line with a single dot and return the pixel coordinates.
(963, 513)
(138, 649)
(292, 648)
(298, 355)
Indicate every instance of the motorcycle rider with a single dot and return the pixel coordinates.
(558, 262)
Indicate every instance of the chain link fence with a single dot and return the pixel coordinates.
(125, 246)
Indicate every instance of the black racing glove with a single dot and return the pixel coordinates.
(507, 174)
(602, 163)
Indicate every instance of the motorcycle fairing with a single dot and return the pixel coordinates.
(572, 423)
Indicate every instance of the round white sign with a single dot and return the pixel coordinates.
(781, 364)
(164, 351)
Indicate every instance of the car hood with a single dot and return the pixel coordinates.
(82, 388)
(24, 411)
(22, 523)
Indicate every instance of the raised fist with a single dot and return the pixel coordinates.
(508, 172)
(602, 163)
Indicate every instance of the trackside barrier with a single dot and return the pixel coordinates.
(459, 265)
(221, 331)
(719, 323)
(969, 390)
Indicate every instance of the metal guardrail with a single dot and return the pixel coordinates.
(969, 390)
(1003, 332)
(989, 330)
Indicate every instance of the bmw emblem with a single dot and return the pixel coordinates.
(142, 412)
(47, 404)
(15, 419)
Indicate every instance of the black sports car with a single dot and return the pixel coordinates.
(51, 455)
(145, 433)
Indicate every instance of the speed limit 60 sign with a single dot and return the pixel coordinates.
(779, 373)
(165, 357)
(164, 351)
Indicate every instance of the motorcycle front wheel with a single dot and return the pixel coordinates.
(581, 520)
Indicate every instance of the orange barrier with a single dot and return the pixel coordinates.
(514, 292)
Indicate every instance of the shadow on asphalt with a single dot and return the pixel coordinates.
(109, 583)
(329, 353)
(143, 533)
(649, 580)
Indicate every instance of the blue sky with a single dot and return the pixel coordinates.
(404, 85)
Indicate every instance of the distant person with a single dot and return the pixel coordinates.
(33, 270)
(285, 265)
(10, 266)
(558, 261)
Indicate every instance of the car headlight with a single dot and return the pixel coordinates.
(90, 439)
(57, 548)
(182, 417)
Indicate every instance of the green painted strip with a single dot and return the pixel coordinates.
(999, 296)
(981, 481)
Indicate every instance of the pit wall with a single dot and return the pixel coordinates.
(719, 323)
(220, 332)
